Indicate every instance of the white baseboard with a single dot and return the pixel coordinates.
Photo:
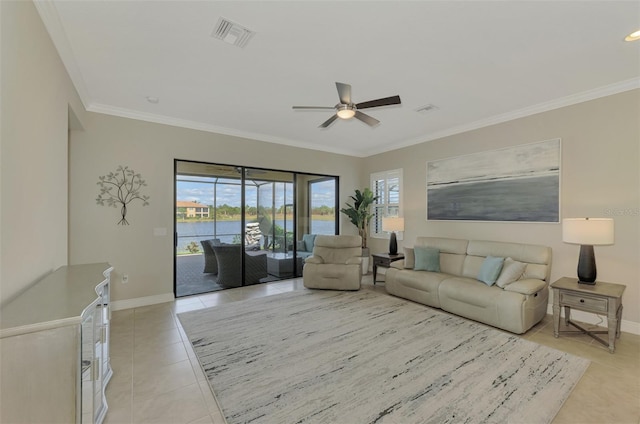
(137, 302)
(591, 318)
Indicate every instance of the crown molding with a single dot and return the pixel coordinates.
(194, 125)
(607, 90)
(51, 19)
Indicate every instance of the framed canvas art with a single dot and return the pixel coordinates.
(519, 183)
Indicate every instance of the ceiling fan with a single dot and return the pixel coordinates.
(346, 109)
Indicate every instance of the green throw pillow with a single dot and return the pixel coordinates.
(426, 258)
(490, 269)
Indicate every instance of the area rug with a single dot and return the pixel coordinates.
(365, 357)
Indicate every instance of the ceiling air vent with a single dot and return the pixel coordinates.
(232, 33)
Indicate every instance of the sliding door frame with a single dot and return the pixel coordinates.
(242, 170)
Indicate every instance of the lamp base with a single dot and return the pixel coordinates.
(393, 244)
(587, 265)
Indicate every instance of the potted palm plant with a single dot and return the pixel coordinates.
(360, 215)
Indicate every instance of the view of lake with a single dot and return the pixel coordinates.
(226, 230)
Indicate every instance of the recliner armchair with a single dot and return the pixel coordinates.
(336, 263)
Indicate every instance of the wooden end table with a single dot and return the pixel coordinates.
(384, 260)
(601, 298)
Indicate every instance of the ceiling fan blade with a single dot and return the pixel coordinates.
(344, 92)
(369, 120)
(314, 107)
(329, 121)
(393, 100)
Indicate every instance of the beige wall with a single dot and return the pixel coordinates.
(36, 96)
(150, 149)
(600, 177)
(600, 173)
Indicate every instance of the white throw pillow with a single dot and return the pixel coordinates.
(511, 271)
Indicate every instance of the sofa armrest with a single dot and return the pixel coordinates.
(313, 260)
(356, 260)
(528, 286)
(397, 264)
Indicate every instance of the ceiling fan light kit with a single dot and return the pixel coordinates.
(346, 109)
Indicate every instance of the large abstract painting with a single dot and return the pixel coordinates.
(520, 183)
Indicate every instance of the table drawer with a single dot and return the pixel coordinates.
(381, 261)
(585, 302)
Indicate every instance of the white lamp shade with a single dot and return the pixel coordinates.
(392, 223)
(589, 231)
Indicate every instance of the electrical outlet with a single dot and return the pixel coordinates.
(125, 278)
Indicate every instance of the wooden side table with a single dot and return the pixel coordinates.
(384, 260)
(601, 298)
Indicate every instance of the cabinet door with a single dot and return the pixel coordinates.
(106, 331)
(88, 363)
(93, 351)
(98, 386)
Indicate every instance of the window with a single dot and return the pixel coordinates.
(322, 198)
(387, 186)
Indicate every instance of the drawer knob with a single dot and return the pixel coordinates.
(581, 300)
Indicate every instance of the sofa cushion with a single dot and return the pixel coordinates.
(537, 257)
(409, 258)
(468, 291)
(511, 271)
(490, 270)
(427, 259)
(446, 245)
(421, 286)
(452, 252)
(526, 287)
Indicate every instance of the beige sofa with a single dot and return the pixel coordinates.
(516, 307)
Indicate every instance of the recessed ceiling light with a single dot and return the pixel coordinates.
(633, 36)
(153, 100)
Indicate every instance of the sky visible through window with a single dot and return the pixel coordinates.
(229, 192)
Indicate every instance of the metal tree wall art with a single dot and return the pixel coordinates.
(120, 188)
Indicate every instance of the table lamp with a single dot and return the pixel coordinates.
(392, 224)
(587, 232)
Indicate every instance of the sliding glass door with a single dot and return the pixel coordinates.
(238, 226)
(275, 202)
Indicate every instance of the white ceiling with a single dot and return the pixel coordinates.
(479, 62)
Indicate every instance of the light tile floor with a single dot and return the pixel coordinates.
(157, 378)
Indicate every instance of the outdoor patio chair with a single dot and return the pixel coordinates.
(210, 263)
(230, 265)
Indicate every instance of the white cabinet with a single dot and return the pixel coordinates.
(54, 348)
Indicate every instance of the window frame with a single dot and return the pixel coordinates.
(387, 176)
